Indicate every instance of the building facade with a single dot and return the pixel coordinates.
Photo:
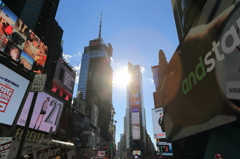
(95, 82)
(200, 100)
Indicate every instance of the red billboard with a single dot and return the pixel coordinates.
(200, 86)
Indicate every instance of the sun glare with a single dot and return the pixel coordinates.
(121, 78)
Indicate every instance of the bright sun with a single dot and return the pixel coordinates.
(121, 78)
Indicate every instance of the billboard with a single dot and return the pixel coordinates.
(88, 139)
(64, 121)
(134, 85)
(64, 78)
(135, 115)
(137, 152)
(79, 104)
(165, 148)
(46, 113)
(101, 153)
(94, 115)
(157, 118)
(12, 90)
(200, 86)
(20, 43)
(136, 134)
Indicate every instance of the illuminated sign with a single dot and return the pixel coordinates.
(203, 80)
(12, 89)
(46, 113)
(157, 120)
(31, 135)
(64, 78)
(20, 43)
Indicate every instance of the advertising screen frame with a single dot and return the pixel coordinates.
(46, 114)
(64, 77)
(12, 92)
(19, 44)
(190, 87)
(157, 121)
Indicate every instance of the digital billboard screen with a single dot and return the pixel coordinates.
(165, 148)
(136, 134)
(64, 77)
(134, 85)
(94, 114)
(12, 90)
(135, 115)
(157, 120)
(200, 86)
(20, 43)
(46, 113)
(137, 152)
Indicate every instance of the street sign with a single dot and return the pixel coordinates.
(38, 83)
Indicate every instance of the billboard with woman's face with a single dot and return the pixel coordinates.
(200, 87)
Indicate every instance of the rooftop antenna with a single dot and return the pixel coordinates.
(100, 27)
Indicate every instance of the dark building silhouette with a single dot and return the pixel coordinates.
(95, 82)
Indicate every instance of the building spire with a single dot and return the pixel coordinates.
(100, 27)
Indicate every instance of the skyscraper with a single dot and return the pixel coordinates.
(95, 81)
(137, 122)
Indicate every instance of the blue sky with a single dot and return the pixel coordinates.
(137, 30)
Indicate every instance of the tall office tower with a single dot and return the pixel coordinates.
(95, 82)
(185, 14)
(136, 109)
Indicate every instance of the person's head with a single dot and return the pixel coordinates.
(218, 156)
(161, 114)
(26, 156)
(48, 98)
(58, 157)
(14, 52)
(35, 41)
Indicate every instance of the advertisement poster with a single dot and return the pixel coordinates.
(5, 145)
(135, 118)
(94, 115)
(165, 148)
(200, 86)
(88, 139)
(101, 153)
(137, 152)
(12, 90)
(136, 134)
(157, 118)
(46, 113)
(19, 42)
(134, 85)
(64, 77)
(134, 93)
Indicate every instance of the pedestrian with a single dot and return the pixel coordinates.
(25, 156)
(218, 156)
(161, 157)
(58, 157)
